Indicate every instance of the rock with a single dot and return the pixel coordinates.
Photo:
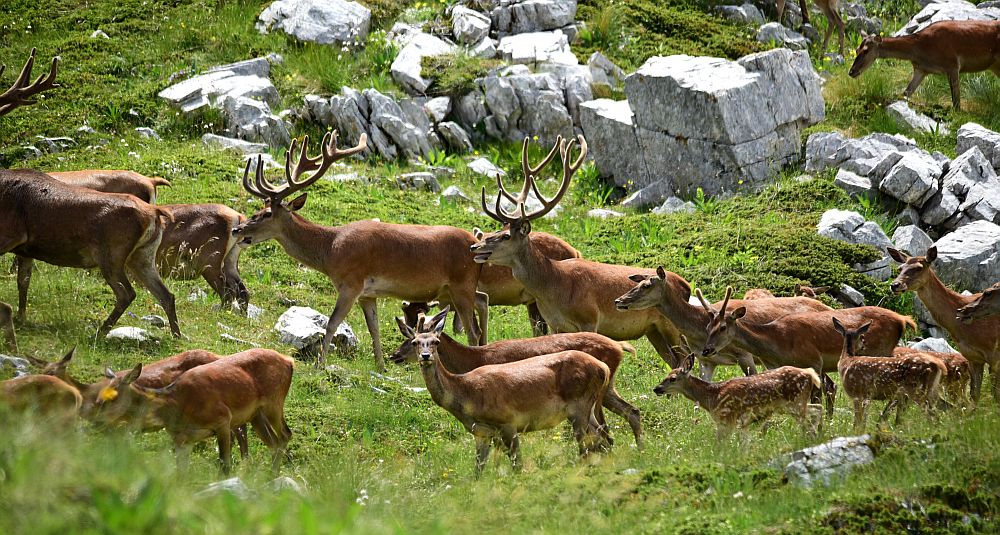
(911, 240)
(909, 216)
(939, 345)
(406, 68)
(487, 48)
(604, 71)
(55, 144)
(304, 328)
(252, 120)
(286, 484)
(455, 194)
(649, 196)
(254, 311)
(607, 126)
(419, 181)
(912, 178)
(849, 296)
(523, 16)
(129, 334)
(675, 205)
(233, 485)
(821, 150)
(774, 32)
(851, 227)
(969, 258)
(437, 108)
(318, 21)
(859, 156)
(20, 366)
(86, 129)
(484, 167)
(469, 26)
(603, 213)
(974, 183)
(392, 121)
(746, 13)
(248, 78)
(536, 48)
(148, 133)
(99, 33)
(239, 145)
(950, 10)
(822, 463)
(855, 185)
(906, 117)
(974, 135)
(155, 321)
(454, 137)
(576, 81)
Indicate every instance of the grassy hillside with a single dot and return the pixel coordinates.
(373, 455)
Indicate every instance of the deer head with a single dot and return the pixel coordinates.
(421, 343)
(647, 293)
(851, 336)
(867, 53)
(721, 326)
(118, 403)
(914, 271)
(269, 222)
(21, 92)
(676, 380)
(985, 304)
(502, 246)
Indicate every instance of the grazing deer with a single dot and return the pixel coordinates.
(459, 358)
(896, 379)
(669, 293)
(983, 305)
(572, 295)
(48, 396)
(214, 398)
(831, 10)
(113, 181)
(7, 325)
(803, 340)
(812, 292)
(978, 340)
(505, 400)
(365, 259)
(948, 47)
(736, 403)
(956, 382)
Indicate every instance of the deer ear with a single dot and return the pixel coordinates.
(637, 277)
(524, 228)
(297, 203)
(897, 255)
(738, 313)
(438, 321)
(68, 357)
(404, 329)
(478, 233)
(661, 273)
(931, 254)
(109, 373)
(864, 328)
(132, 375)
(839, 326)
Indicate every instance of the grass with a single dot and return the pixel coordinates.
(455, 74)
(389, 460)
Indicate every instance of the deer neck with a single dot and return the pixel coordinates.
(703, 392)
(759, 339)
(898, 48)
(686, 317)
(942, 302)
(306, 241)
(456, 357)
(532, 268)
(441, 385)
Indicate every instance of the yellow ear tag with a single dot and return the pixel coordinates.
(108, 394)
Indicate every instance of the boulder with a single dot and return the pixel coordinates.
(523, 16)
(129, 334)
(454, 137)
(455, 194)
(826, 462)
(469, 26)
(675, 205)
(319, 21)
(487, 48)
(484, 167)
(536, 48)
(603, 213)
(975, 135)
(950, 10)
(969, 257)
(304, 328)
(854, 184)
(604, 74)
(437, 108)
(906, 117)
(248, 78)
(649, 196)
(610, 133)
(522, 105)
(233, 486)
(747, 13)
(860, 156)
(774, 32)
(939, 345)
(238, 145)
(418, 181)
(911, 240)
(970, 191)
(911, 177)
(821, 150)
(252, 120)
(389, 118)
(406, 68)
(849, 296)
(147, 133)
(851, 227)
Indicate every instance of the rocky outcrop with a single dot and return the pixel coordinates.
(950, 10)
(824, 463)
(745, 13)
(609, 127)
(908, 118)
(851, 227)
(524, 16)
(975, 135)
(319, 21)
(414, 47)
(969, 258)
(774, 32)
(469, 26)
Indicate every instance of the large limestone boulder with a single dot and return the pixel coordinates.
(524, 16)
(537, 48)
(319, 21)
(304, 328)
(908, 176)
(906, 117)
(608, 124)
(950, 10)
(969, 258)
(975, 135)
(970, 191)
(469, 26)
(250, 78)
(774, 32)
(406, 68)
(252, 120)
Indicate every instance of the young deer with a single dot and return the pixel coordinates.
(736, 403)
(956, 381)
(572, 295)
(897, 379)
(459, 358)
(365, 259)
(948, 47)
(214, 398)
(669, 294)
(978, 340)
(7, 325)
(803, 340)
(505, 400)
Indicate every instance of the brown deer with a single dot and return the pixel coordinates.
(365, 259)
(956, 382)
(758, 293)
(459, 358)
(113, 181)
(572, 295)
(214, 398)
(978, 340)
(736, 403)
(831, 10)
(669, 294)
(803, 340)
(812, 292)
(948, 47)
(48, 396)
(983, 305)
(504, 400)
(7, 325)
(895, 379)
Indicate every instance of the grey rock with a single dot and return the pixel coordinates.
(252, 120)
(154, 320)
(254, 311)
(454, 137)
(746, 13)
(675, 205)
(824, 463)
(86, 129)
(470, 111)
(950, 10)
(304, 328)
(863, 23)
(406, 68)
(774, 32)
(487, 48)
(438, 108)
(455, 194)
(907, 117)
(969, 257)
(909, 216)
(20, 366)
(607, 125)
(419, 181)
(861, 155)
(319, 21)
(129, 334)
(196, 294)
(148, 133)
(248, 78)
(649, 196)
(603, 213)
(849, 296)
(234, 486)
(854, 184)
(822, 149)
(239, 145)
(851, 227)
(604, 71)
(389, 117)
(975, 135)
(536, 48)
(469, 26)
(484, 167)
(286, 484)
(55, 144)
(913, 178)
(99, 33)
(939, 345)
(972, 180)
(911, 240)
(523, 16)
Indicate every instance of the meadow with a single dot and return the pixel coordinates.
(373, 454)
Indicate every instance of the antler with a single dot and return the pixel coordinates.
(19, 94)
(263, 188)
(707, 306)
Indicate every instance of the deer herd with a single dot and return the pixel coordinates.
(786, 347)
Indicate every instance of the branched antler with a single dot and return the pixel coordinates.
(21, 92)
(329, 153)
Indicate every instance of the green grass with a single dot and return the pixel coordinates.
(390, 460)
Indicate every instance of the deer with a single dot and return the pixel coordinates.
(739, 402)
(7, 325)
(812, 292)
(504, 400)
(983, 305)
(959, 371)
(669, 294)
(113, 181)
(977, 339)
(804, 339)
(214, 398)
(831, 10)
(576, 294)
(758, 293)
(460, 358)
(948, 47)
(895, 379)
(364, 259)
(46, 395)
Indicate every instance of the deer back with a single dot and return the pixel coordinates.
(113, 181)
(882, 378)
(198, 235)
(46, 394)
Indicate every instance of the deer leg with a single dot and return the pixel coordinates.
(370, 307)
(465, 306)
(217, 281)
(956, 88)
(143, 265)
(706, 369)
(124, 294)
(223, 434)
(512, 444)
(781, 9)
(25, 266)
(805, 11)
(663, 347)
(840, 27)
(860, 405)
(484, 442)
(234, 285)
(976, 371)
(583, 432)
(182, 454)
(482, 307)
(240, 432)
(346, 297)
(918, 77)
(538, 325)
(614, 403)
(747, 364)
(994, 370)
(7, 324)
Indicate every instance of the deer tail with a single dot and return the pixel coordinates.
(159, 181)
(628, 348)
(814, 377)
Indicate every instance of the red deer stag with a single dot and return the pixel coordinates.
(505, 400)
(576, 294)
(736, 403)
(948, 47)
(978, 340)
(803, 340)
(459, 358)
(669, 293)
(897, 379)
(365, 259)
(214, 398)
